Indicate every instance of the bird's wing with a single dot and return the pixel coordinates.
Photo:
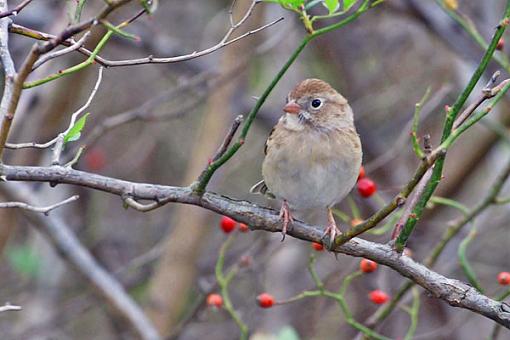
(268, 140)
(261, 188)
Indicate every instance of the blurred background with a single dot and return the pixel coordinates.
(382, 63)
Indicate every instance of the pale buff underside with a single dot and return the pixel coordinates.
(312, 169)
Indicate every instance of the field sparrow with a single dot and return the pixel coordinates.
(313, 154)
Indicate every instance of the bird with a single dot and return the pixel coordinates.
(312, 155)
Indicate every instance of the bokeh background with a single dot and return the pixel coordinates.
(383, 63)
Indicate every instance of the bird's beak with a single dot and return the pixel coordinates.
(292, 107)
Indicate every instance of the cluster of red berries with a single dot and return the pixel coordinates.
(228, 225)
(377, 296)
(366, 186)
(264, 300)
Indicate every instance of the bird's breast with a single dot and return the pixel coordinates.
(312, 170)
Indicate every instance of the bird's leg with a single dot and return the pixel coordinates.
(331, 230)
(286, 216)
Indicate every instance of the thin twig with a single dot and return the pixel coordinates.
(228, 137)
(411, 204)
(129, 201)
(15, 11)
(8, 307)
(44, 210)
(75, 45)
(60, 136)
(79, 257)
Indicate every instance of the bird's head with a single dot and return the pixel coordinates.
(315, 103)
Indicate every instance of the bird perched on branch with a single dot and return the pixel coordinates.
(313, 154)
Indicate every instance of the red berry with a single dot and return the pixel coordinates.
(265, 300)
(504, 278)
(501, 44)
(317, 246)
(378, 297)
(95, 159)
(227, 224)
(243, 228)
(366, 187)
(361, 173)
(367, 266)
(214, 300)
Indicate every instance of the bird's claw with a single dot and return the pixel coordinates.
(332, 231)
(286, 216)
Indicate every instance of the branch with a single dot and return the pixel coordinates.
(225, 41)
(8, 307)
(73, 251)
(454, 292)
(44, 210)
(73, 47)
(15, 10)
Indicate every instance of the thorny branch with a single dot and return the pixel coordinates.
(454, 292)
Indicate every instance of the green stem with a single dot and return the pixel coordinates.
(470, 28)
(350, 319)
(73, 69)
(416, 120)
(450, 118)
(464, 263)
(413, 313)
(313, 273)
(450, 203)
(79, 8)
(504, 295)
(207, 174)
(474, 118)
(223, 282)
(448, 235)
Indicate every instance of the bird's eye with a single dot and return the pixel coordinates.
(316, 103)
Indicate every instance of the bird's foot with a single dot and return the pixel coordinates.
(286, 216)
(332, 231)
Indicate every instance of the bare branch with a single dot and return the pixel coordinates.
(224, 42)
(63, 39)
(44, 210)
(411, 204)
(73, 251)
(59, 140)
(454, 292)
(8, 307)
(75, 45)
(15, 10)
(487, 93)
(228, 137)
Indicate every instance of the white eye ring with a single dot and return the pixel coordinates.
(316, 103)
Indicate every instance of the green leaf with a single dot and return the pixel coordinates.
(23, 260)
(331, 5)
(287, 333)
(295, 4)
(348, 4)
(75, 132)
(292, 3)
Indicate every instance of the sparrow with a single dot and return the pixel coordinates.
(313, 154)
